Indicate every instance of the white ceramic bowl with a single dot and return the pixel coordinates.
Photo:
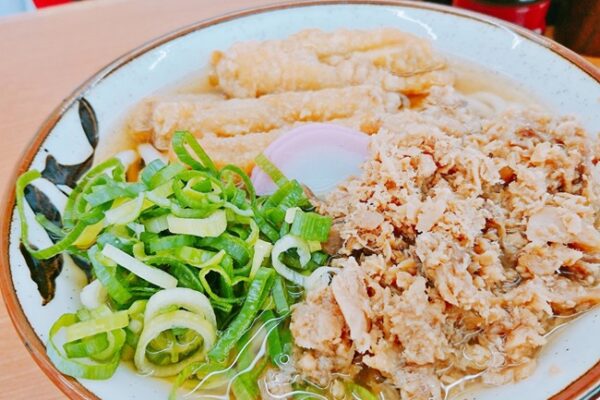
(562, 80)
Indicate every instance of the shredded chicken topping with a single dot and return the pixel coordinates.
(462, 241)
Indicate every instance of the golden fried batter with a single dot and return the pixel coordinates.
(233, 117)
(313, 60)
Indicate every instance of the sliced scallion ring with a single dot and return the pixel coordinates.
(281, 246)
(164, 322)
(78, 368)
(189, 299)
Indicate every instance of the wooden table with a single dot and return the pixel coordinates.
(43, 57)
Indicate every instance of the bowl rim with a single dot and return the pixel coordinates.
(588, 383)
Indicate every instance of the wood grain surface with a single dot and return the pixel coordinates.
(44, 56)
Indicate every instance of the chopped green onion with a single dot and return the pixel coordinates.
(233, 246)
(136, 324)
(211, 226)
(279, 293)
(116, 340)
(184, 274)
(258, 291)
(199, 258)
(266, 228)
(157, 224)
(202, 162)
(92, 327)
(281, 246)
(151, 169)
(290, 194)
(112, 190)
(78, 368)
(200, 201)
(191, 241)
(49, 226)
(165, 175)
(319, 258)
(314, 245)
(270, 169)
(245, 213)
(86, 346)
(89, 235)
(227, 284)
(254, 233)
(311, 226)
(160, 195)
(290, 214)
(244, 177)
(275, 347)
(126, 212)
(150, 274)
(262, 250)
(106, 275)
(164, 322)
(157, 244)
(58, 247)
(70, 213)
(137, 229)
(189, 299)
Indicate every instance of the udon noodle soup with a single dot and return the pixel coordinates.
(468, 236)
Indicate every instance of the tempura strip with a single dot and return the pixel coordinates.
(313, 60)
(140, 122)
(243, 116)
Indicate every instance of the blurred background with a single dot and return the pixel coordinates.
(574, 23)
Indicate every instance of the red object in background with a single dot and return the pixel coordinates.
(530, 14)
(47, 3)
